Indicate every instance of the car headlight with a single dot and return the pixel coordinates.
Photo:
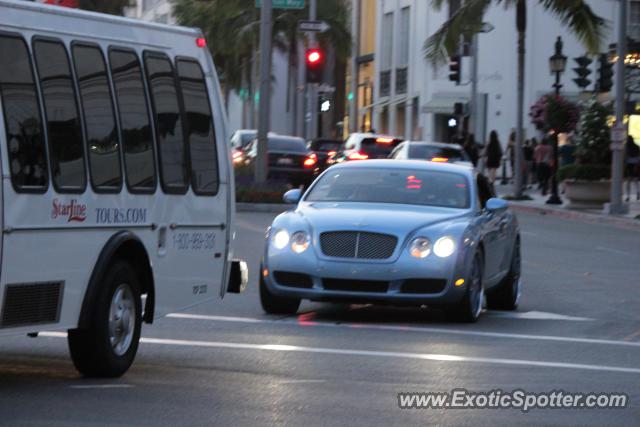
(299, 242)
(280, 239)
(444, 247)
(420, 247)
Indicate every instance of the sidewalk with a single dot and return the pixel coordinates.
(596, 216)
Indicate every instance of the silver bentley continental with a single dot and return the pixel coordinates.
(394, 232)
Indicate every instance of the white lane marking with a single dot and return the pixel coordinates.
(302, 381)
(374, 353)
(536, 315)
(613, 251)
(101, 386)
(307, 323)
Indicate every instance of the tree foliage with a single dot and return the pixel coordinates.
(577, 15)
(593, 137)
(232, 31)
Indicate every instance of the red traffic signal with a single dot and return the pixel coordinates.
(315, 65)
(314, 56)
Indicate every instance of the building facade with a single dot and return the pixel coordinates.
(414, 99)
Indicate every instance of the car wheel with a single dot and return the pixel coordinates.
(274, 304)
(469, 309)
(107, 348)
(507, 294)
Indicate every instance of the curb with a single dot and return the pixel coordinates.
(263, 207)
(619, 222)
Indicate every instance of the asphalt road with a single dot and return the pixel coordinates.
(227, 363)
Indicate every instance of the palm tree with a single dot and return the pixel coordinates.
(232, 30)
(467, 20)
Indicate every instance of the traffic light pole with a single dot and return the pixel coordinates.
(261, 170)
(616, 206)
(312, 98)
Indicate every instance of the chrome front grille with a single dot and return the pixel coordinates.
(357, 244)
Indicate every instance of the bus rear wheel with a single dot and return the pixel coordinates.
(107, 348)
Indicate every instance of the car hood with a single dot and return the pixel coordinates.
(376, 217)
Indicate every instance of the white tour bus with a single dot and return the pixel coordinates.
(117, 198)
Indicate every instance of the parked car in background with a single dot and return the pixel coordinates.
(365, 146)
(432, 151)
(243, 137)
(289, 159)
(325, 149)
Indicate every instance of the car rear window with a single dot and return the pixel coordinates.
(246, 138)
(287, 144)
(325, 145)
(379, 148)
(427, 152)
(386, 185)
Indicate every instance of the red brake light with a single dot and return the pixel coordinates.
(201, 42)
(358, 156)
(440, 159)
(311, 160)
(384, 140)
(237, 156)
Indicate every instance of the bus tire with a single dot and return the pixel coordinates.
(108, 346)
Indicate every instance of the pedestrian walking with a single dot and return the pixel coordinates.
(527, 154)
(511, 152)
(543, 158)
(566, 152)
(471, 149)
(534, 168)
(632, 160)
(493, 155)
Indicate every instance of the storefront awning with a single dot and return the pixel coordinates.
(443, 103)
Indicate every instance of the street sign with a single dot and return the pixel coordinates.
(284, 4)
(312, 26)
(618, 133)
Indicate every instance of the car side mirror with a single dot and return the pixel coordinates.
(292, 197)
(496, 205)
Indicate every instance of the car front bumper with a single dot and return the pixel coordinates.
(404, 281)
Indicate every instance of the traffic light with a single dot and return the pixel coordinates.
(583, 71)
(315, 65)
(455, 69)
(605, 81)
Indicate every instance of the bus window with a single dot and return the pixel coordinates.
(200, 130)
(23, 123)
(62, 117)
(135, 123)
(100, 123)
(164, 95)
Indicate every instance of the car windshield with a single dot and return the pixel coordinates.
(385, 185)
(325, 145)
(294, 145)
(428, 152)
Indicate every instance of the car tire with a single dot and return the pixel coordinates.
(506, 296)
(107, 348)
(469, 309)
(274, 304)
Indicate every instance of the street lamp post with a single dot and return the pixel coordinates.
(557, 65)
